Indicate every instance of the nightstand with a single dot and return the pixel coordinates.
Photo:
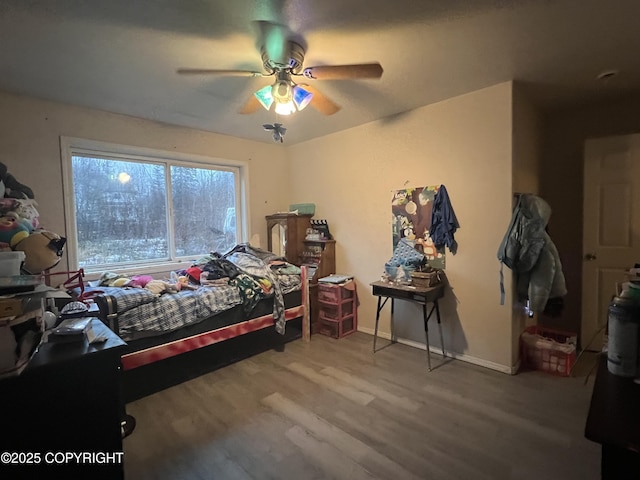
(68, 399)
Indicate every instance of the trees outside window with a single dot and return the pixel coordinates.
(130, 210)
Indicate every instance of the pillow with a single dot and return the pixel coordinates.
(406, 255)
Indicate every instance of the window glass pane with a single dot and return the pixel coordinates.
(120, 209)
(204, 210)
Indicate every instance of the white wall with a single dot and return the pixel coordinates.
(464, 143)
(30, 131)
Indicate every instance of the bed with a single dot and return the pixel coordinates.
(174, 336)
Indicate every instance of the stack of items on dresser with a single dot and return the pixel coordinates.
(26, 250)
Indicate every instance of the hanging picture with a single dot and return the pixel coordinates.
(411, 219)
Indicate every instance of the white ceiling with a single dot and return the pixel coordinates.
(121, 55)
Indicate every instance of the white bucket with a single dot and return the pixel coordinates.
(622, 354)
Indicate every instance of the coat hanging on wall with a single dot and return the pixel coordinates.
(528, 250)
(444, 222)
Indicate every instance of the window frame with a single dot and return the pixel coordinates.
(72, 146)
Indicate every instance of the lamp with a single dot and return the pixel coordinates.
(287, 96)
(264, 97)
(285, 108)
(301, 97)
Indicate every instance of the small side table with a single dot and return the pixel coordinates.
(420, 295)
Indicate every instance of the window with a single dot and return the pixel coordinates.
(131, 207)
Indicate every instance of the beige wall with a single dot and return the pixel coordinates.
(467, 143)
(526, 179)
(565, 132)
(30, 131)
(464, 143)
(526, 143)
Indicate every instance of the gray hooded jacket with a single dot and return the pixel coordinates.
(529, 251)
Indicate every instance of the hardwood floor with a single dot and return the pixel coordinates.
(333, 409)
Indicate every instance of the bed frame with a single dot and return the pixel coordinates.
(154, 363)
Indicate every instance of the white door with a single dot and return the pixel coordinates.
(611, 227)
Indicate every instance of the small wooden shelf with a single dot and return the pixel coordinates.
(320, 253)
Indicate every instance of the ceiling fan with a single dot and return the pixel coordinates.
(283, 58)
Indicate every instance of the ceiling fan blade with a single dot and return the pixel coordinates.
(340, 72)
(321, 102)
(251, 106)
(228, 73)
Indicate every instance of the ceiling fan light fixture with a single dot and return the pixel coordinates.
(285, 108)
(301, 97)
(281, 91)
(264, 97)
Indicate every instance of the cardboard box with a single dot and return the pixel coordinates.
(12, 307)
(22, 304)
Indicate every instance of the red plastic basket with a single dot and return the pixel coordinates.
(548, 350)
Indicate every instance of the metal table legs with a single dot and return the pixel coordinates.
(425, 317)
(381, 305)
(426, 329)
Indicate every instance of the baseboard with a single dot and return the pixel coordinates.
(458, 356)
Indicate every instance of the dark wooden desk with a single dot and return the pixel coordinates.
(420, 295)
(614, 422)
(67, 400)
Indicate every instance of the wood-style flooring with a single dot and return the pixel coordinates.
(333, 409)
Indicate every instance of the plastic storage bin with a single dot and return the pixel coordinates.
(335, 312)
(10, 263)
(333, 293)
(338, 328)
(338, 314)
(303, 208)
(552, 351)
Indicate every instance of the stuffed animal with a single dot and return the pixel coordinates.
(159, 287)
(12, 187)
(26, 208)
(139, 281)
(194, 274)
(42, 250)
(8, 205)
(14, 229)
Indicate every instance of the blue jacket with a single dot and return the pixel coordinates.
(443, 222)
